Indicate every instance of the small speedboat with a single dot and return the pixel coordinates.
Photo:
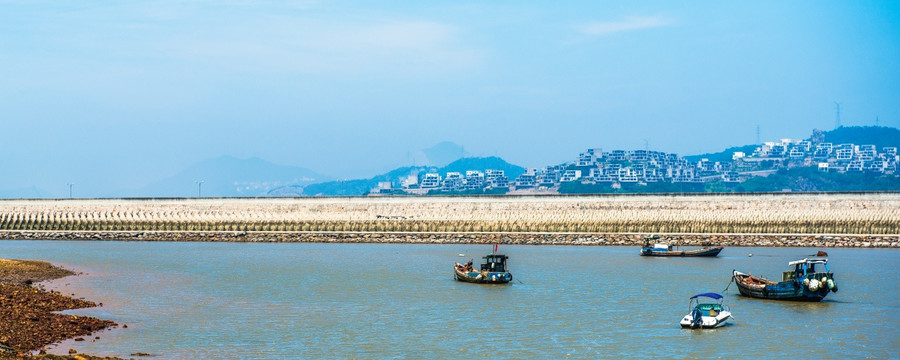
(706, 315)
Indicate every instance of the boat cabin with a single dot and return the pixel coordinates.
(494, 263)
(709, 309)
(803, 268)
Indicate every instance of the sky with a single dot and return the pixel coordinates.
(113, 95)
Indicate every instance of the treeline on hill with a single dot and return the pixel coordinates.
(806, 179)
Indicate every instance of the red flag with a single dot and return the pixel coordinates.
(495, 247)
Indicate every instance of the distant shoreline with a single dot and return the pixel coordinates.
(520, 238)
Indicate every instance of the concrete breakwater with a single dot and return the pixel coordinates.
(846, 220)
(584, 239)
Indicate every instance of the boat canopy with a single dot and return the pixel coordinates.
(709, 295)
(808, 261)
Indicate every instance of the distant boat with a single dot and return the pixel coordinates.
(706, 315)
(668, 250)
(803, 283)
(493, 270)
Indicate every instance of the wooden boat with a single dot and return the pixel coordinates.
(668, 250)
(802, 283)
(493, 271)
(706, 315)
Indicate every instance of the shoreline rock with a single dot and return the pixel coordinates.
(507, 238)
(28, 313)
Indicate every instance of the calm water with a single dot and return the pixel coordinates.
(312, 301)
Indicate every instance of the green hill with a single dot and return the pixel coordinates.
(880, 136)
(808, 179)
(482, 164)
(722, 156)
(363, 186)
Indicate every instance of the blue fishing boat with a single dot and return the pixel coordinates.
(492, 271)
(802, 283)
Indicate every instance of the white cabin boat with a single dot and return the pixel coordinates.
(705, 315)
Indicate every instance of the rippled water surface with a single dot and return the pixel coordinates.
(312, 301)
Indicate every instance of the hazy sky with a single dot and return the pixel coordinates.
(121, 94)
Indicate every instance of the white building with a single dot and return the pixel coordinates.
(430, 181)
(570, 175)
(452, 182)
(474, 180)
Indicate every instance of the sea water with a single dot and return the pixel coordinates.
(192, 300)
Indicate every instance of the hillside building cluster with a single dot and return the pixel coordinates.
(824, 155)
(617, 167)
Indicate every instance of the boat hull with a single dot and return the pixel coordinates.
(708, 322)
(704, 252)
(761, 288)
(482, 277)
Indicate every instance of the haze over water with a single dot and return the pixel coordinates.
(237, 300)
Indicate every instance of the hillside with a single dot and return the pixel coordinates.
(724, 155)
(363, 186)
(811, 180)
(880, 136)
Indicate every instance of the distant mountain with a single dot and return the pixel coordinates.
(228, 176)
(24, 193)
(363, 186)
(443, 153)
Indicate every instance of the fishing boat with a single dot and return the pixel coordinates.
(706, 315)
(492, 271)
(802, 283)
(669, 250)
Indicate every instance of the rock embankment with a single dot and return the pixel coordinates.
(589, 239)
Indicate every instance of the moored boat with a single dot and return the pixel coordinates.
(802, 283)
(706, 315)
(667, 250)
(660, 249)
(492, 271)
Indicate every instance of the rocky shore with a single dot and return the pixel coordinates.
(509, 238)
(28, 321)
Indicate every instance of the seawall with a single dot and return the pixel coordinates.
(815, 220)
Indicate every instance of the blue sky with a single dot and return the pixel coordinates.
(121, 94)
